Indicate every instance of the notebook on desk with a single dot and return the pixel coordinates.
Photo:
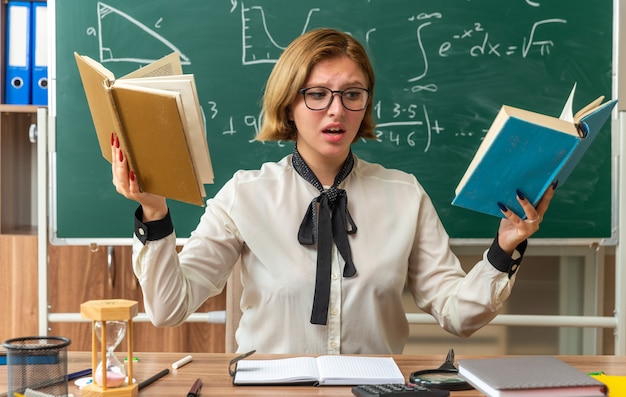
(322, 370)
(529, 376)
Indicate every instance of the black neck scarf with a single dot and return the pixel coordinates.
(327, 224)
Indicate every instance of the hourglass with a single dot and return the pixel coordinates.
(114, 332)
(111, 322)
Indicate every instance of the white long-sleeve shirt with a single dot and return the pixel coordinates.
(256, 216)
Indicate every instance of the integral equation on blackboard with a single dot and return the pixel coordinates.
(429, 41)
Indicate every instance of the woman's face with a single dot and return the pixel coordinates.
(326, 135)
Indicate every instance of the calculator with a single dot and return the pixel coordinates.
(397, 390)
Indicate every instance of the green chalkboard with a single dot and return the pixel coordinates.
(443, 68)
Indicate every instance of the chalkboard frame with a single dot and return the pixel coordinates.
(552, 97)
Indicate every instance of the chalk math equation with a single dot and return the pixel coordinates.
(406, 124)
(402, 122)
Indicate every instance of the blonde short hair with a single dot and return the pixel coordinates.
(293, 69)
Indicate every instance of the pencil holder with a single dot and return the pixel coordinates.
(37, 365)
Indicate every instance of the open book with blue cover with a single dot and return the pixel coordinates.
(528, 151)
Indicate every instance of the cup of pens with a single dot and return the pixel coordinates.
(37, 366)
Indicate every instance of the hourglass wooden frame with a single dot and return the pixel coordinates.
(103, 311)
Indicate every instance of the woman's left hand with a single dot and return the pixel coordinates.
(513, 230)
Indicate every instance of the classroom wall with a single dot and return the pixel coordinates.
(536, 292)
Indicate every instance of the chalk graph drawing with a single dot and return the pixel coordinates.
(258, 45)
(116, 28)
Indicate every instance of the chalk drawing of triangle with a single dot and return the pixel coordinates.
(123, 38)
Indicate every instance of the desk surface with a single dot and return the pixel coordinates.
(212, 368)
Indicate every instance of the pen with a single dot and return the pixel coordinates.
(153, 379)
(195, 388)
(78, 374)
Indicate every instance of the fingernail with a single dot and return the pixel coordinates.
(117, 142)
(112, 138)
(131, 174)
(121, 156)
(520, 194)
(502, 207)
(555, 184)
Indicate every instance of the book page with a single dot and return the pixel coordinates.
(356, 370)
(286, 370)
(169, 65)
(588, 109)
(567, 115)
(567, 112)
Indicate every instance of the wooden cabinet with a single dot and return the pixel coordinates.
(18, 230)
(18, 171)
(18, 285)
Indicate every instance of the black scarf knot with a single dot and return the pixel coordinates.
(326, 220)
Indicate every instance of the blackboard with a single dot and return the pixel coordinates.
(443, 68)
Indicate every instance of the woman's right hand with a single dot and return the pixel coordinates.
(154, 207)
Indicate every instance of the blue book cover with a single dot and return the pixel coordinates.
(527, 151)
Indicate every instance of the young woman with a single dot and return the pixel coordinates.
(327, 241)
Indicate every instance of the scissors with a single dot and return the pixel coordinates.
(445, 377)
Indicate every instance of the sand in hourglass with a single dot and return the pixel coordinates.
(115, 370)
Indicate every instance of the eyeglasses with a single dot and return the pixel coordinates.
(320, 98)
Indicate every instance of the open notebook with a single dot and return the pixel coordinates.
(322, 370)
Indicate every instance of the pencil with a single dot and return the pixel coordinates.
(153, 379)
(78, 374)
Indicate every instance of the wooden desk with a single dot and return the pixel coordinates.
(212, 368)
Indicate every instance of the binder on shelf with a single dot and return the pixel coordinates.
(39, 54)
(18, 72)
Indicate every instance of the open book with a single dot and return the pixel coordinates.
(528, 151)
(157, 117)
(322, 370)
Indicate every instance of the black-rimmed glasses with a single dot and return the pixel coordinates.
(320, 98)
